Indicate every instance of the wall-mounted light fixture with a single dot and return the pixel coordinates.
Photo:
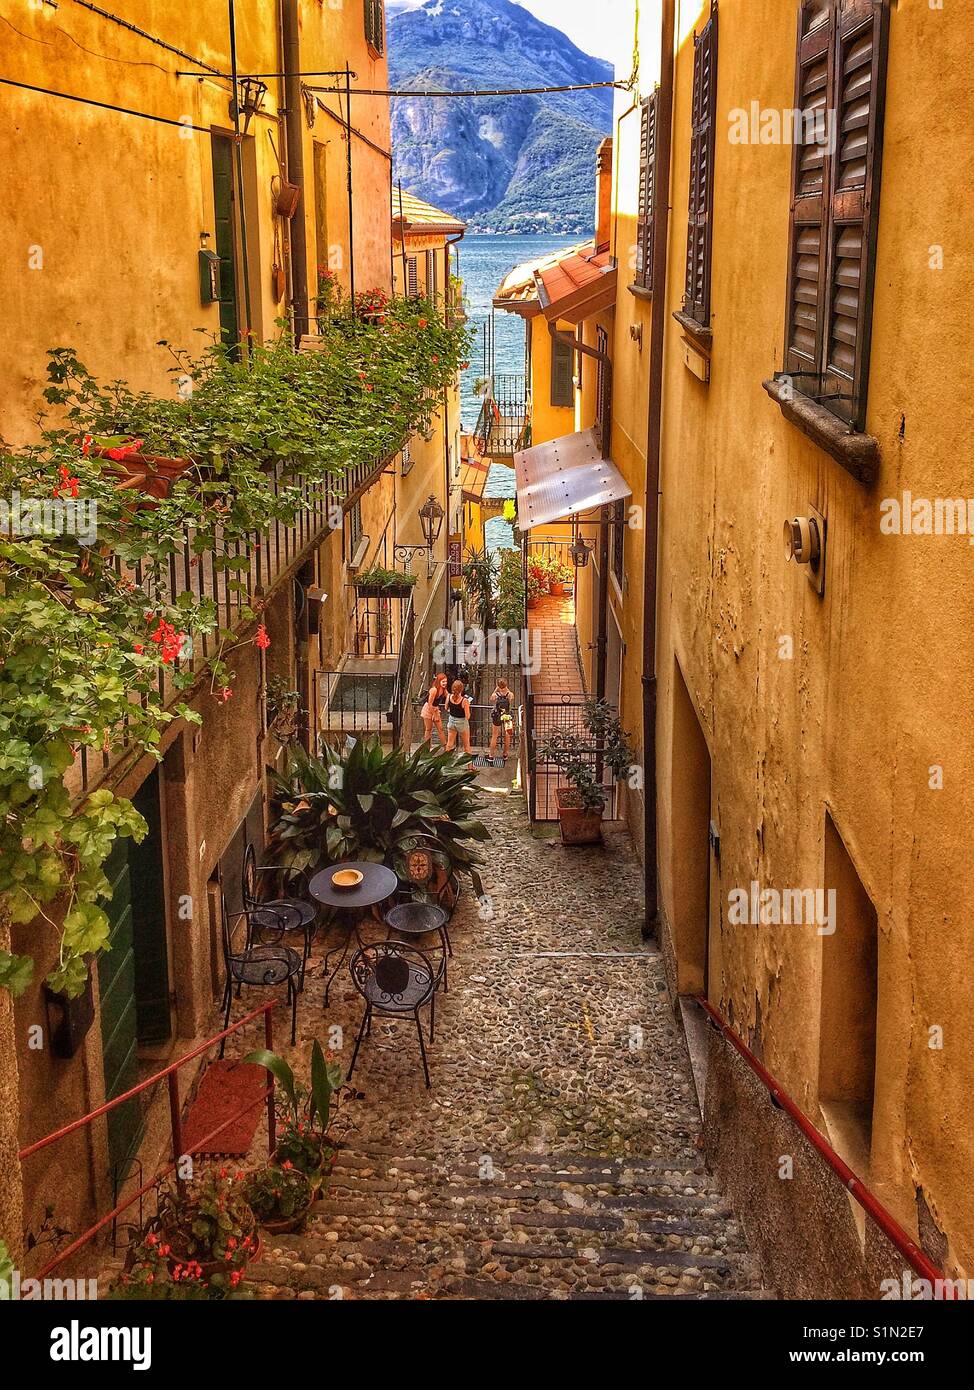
(431, 517)
(251, 92)
(804, 538)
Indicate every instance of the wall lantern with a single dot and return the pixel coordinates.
(580, 551)
(431, 516)
(250, 99)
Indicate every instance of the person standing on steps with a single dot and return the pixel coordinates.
(432, 711)
(501, 718)
(458, 718)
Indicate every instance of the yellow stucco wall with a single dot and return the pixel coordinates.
(875, 693)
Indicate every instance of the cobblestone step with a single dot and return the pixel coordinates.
(675, 1220)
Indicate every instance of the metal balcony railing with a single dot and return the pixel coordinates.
(504, 424)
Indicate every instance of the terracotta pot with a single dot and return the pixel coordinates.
(557, 588)
(150, 474)
(211, 1267)
(285, 1225)
(534, 603)
(578, 826)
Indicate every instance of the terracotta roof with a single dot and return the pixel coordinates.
(559, 285)
(473, 479)
(580, 283)
(422, 218)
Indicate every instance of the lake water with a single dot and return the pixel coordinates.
(484, 263)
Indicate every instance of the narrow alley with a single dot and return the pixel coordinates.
(556, 1155)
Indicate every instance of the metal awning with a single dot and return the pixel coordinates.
(564, 477)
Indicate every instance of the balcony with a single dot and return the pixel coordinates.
(504, 424)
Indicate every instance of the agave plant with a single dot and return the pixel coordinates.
(372, 804)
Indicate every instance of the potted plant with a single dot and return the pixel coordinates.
(283, 709)
(581, 804)
(280, 1197)
(205, 1229)
(378, 582)
(510, 598)
(480, 582)
(304, 1113)
(561, 578)
(537, 586)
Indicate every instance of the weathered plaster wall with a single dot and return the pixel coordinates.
(874, 694)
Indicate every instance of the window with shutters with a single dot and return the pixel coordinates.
(412, 278)
(841, 82)
(562, 373)
(375, 24)
(603, 405)
(700, 226)
(647, 192)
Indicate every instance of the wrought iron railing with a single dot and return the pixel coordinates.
(504, 424)
(368, 696)
(233, 576)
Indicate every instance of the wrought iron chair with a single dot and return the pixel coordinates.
(423, 919)
(395, 980)
(288, 913)
(266, 966)
(422, 856)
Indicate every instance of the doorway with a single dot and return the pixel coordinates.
(690, 847)
(133, 974)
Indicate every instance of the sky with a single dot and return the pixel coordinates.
(594, 26)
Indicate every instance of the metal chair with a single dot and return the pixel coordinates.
(395, 980)
(422, 919)
(422, 855)
(288, 913)
(266, 966)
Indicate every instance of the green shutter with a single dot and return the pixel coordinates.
(562, 372)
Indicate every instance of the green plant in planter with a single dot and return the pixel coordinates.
(537, 586)
(369, 803)
(279, 1193)
(204, 1228)
(304, 1112)
(510, 592)
(572, 755)
(480, 581)
(383, 581)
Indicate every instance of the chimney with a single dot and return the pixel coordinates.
(603, 193)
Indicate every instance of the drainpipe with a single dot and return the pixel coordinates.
(298, 226)
(653, 448)
(602, 640)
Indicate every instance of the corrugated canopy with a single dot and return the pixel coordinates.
(564, 477)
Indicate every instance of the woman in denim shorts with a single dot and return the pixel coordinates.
(457, 718)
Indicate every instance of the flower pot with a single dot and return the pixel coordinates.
(210, 1267)
(534, 603)
(151, 474)
(578, 826)
(286, 1225)
(374, 591)
(557, 588)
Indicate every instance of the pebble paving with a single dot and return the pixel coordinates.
(556, 1155)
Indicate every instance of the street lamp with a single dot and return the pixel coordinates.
(431, 516)
(580, 551)
(250, 99)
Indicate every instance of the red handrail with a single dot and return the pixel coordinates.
(169, 1075)
(870, 1204)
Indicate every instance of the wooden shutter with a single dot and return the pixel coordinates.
(811, 181)
(562, 372)
(412, 278)
(375, 24)
(647, 191)
(861, 45)
(696, 299)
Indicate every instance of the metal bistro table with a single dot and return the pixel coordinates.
(378, 884)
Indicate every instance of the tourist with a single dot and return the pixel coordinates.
(458, 718)
(501, 718)
(432, 711)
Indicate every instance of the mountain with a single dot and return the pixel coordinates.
(507, 164)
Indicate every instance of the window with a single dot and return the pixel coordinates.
(432, 279)
(603, 404)
(562, 373)
(647, 192)
(412, 278)
(700, 229)
(375, 24)
(841, 81)
(353, 530)
(618, 539)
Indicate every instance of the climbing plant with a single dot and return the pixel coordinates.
(89, 621)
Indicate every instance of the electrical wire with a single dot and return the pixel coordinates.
(104, 105)
(152, 38)
(492, 92)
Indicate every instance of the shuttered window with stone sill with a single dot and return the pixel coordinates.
(700, 226)
(840, 92)
(645, 224)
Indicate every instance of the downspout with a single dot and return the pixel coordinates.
(351, 184)
(602, 640)
(298, 226)
(450, 241)
(653, 451)
(238, 161)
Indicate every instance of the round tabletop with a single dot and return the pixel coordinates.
(378, 883)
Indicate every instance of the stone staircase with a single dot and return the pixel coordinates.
(538, 1227)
